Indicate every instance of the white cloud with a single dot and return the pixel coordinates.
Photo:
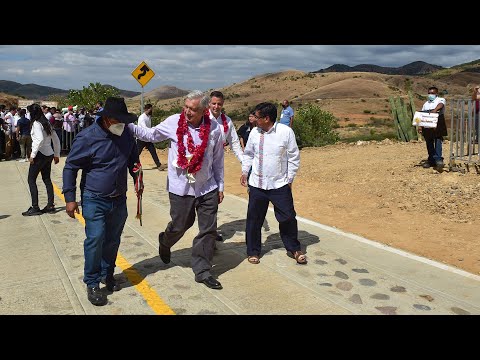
(15, 71)
(203, 66)
(50, 71)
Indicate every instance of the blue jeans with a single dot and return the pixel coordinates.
(104, 222)
(434, 148)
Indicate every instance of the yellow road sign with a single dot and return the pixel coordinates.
(143, 73)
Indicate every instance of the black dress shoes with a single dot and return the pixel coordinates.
(163, 251)
(96, 296)
(32, 211)
(49, 209)
(212, 283)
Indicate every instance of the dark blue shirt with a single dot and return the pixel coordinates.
(24, 124)
(104, 159)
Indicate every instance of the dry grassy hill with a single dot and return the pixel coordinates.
(359, 100)
(8, 100)
(162, 92)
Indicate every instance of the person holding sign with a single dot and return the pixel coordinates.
(434, 136)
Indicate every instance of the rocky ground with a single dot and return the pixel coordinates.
(380, 191)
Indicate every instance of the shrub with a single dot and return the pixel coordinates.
(314, 126)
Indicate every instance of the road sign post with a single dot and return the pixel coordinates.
(143, 74)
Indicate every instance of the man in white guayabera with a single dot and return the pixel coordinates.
(195, 180)
(272, 154)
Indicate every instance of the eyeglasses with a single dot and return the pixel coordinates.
(258, 118)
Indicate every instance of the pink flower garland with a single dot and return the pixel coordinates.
(197, 151)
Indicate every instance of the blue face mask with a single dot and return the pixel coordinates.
(431, 97)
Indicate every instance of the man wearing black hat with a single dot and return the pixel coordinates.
(104, 151)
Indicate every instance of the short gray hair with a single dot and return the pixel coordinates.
(198, 94)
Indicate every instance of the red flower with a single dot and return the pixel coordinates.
(225, 124)
(197, 151)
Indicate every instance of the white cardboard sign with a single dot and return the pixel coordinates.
(425, 119)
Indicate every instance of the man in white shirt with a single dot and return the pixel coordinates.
(229, 134)
(273, 155)
(434, 136)
(46, 112)
(145, 121)
(195, 180)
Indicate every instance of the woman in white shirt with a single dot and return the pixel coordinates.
(41, 159)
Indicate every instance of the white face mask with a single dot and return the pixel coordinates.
(117, 129)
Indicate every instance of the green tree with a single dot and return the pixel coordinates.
(314, 126)
(89, 96)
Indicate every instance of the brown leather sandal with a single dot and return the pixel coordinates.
(299, 256)
(254, 259)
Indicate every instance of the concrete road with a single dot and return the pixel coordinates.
(42, 259)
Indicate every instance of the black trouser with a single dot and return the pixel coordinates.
(41, 164)
(282, 201)
(182, 212)
(151, 148)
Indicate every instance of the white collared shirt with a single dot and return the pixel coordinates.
(145, 121)
(211, 174)
(231, 136)
(273, 156)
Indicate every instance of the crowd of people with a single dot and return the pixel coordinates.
(107, 147)
(15, 125)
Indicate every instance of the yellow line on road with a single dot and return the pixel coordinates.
(142, 285)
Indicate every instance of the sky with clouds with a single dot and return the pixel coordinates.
(202, 66)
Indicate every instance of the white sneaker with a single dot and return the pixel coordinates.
(22, 160)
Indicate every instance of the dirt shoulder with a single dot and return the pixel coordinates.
(379, 191)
